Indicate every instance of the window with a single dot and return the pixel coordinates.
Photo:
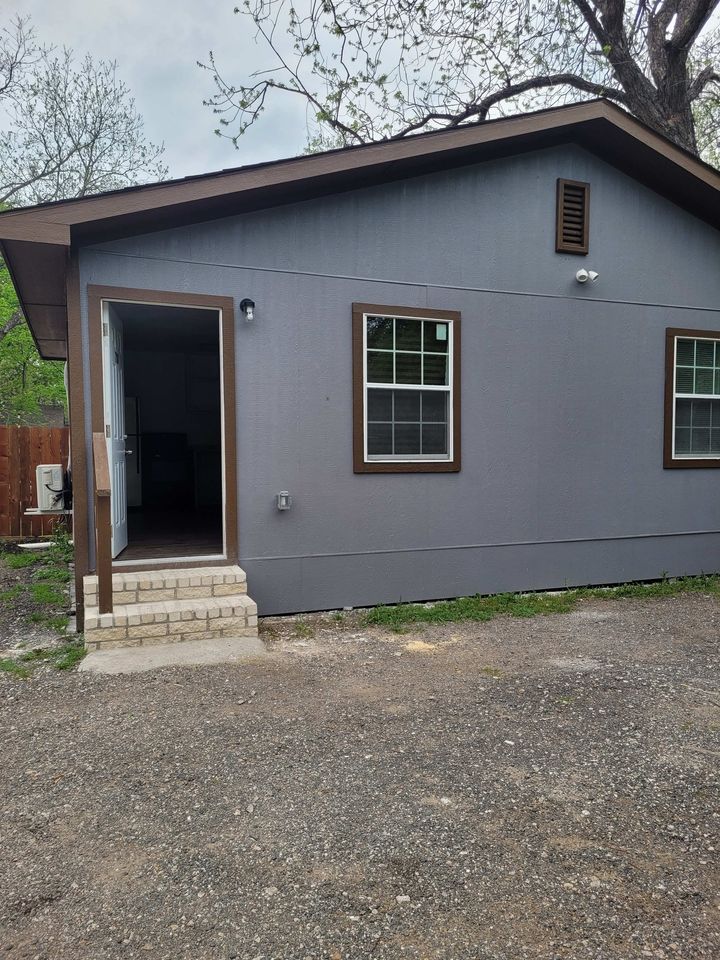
(692, 399)
(572, 228)
(406, 371)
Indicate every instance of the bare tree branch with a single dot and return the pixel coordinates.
(378, 69)
(72, 129)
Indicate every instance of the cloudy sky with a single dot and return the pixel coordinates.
(156, 44)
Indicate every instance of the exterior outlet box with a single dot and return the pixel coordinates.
(49, 485)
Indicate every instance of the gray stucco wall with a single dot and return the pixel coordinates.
(562, 395)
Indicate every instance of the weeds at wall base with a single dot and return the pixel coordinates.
(483, 608)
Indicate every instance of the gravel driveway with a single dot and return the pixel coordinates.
(544, 788)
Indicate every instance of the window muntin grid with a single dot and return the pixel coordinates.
(696, 406)
(408, 392)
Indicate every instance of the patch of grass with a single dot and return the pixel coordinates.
(15, 669)
(12, 593)
(17, 561)
(303, 629)
(531, 604)
(70, 655)
(61, 550)
(63, 657)
(57, 622)
(471, 608)
(493, 672)
(47, 593)
(661, 588)
(338, 616)
(53, 574)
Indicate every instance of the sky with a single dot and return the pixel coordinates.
(157, 44)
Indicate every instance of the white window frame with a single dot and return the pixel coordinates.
(448, 389)
(689, 396)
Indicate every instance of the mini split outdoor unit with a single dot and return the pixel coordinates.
(49, 484)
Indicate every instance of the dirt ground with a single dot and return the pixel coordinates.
(17, 608)
(540, 788)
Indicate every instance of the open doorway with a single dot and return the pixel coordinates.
(166, 361)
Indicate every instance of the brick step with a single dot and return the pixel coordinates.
(150, 586)
(170, 621)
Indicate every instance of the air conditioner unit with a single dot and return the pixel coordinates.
(49, 485)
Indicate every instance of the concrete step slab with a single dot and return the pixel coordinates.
(189, 653)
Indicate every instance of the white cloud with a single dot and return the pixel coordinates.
(157, 44)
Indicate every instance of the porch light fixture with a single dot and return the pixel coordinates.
(247, 306)
(284, 500)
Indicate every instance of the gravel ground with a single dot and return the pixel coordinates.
(543, 788)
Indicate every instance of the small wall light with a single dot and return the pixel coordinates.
(284, 500)
(247, 306)
(583, 275)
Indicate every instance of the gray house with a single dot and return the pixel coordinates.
(268, 377)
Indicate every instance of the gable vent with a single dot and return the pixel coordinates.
(573, 216)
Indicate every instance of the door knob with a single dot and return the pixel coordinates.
(127, 452)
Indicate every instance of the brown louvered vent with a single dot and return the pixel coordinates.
(573, 216)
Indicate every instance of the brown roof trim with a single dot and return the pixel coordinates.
(597, 125)
(46, 222)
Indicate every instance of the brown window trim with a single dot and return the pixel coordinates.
(360, 465)
(669, 461)
(96, 295)
(560, 245)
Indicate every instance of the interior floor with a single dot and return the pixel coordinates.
(156, 535)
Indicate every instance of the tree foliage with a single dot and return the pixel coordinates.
(68, 128)
(377, 69)
(72, 127)
(26, 381)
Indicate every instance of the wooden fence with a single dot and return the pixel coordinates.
(21, 450)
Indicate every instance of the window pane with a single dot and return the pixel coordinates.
(686, 352)
(434, 438)
(436, 337)
(703, 380)
(379, 367)
(380, 333)
(700, 413)
(407, 438)
(700, 441)
(407, 334)
(434, 406)
(682, 440)
(684, 380)
(379, 439)
(697, 427)
(683, 409)
(434, 369)
(704, 353)
(380, 405)
(407, 405)
(407, 367)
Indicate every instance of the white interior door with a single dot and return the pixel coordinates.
(114, 393)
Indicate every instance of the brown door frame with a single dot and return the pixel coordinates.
(225, 305)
